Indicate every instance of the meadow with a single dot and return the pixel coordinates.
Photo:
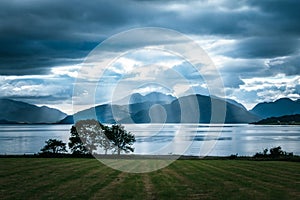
(87, 178)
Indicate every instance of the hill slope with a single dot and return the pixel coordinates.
(181, 110)
(280, 107)
(190, 105)
(20, 112)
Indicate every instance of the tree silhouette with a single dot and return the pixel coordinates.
(76, 145)
(89, 135)
(54, 146)
(89, 132)
(276, 152)
(120, 138)
(104, 141)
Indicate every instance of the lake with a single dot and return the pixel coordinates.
(167, 139)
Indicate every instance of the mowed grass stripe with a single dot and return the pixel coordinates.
(41, 181)
(222, 184)
(269, 175)
(86, 184)
(127, 186)
(65, 178)
(36, 163)
(287, 184)
(285, 168)
(244, 178)
(148, 187)
(209, 179)
(133, 181)
(202, 185)
(176, 183)
(166, 186)
(58, 177)
(23, 179)
(280, 179)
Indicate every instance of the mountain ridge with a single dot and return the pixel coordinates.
(280, 107)
(158, 105)
(150, 97)
(12, 111)
(139, 112)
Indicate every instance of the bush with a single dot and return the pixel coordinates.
(275, 152)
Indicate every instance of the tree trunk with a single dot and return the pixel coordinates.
(119, 151)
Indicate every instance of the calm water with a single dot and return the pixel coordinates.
(187, 139)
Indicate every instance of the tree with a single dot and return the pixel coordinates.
(89, 135)
(54, 146)
(276, 152)
(89, 132)
(120, 138)
(104, 141)
(92, 133)
(265, 152)
(76, 145)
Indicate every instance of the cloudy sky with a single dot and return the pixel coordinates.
(253, 44)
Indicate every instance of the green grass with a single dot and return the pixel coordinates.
(79, 178)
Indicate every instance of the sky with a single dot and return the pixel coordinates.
(44, 45)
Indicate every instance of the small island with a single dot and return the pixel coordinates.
(282, 120)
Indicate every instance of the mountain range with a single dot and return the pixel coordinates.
(12, 111)
(280, 107)
(154, 107)
(154, 97)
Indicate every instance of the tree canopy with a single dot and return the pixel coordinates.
(90, 135)
(75, 144)
(54, 146)
(120, 138)
(89, 132)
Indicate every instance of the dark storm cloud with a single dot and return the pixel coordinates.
(263, 47)
(281, 16)
(288, 65)
(37, 35)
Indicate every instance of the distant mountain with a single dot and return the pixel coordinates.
(231, 101)
(67, 120)
(104, 113)
(3, 121)
(189, 105)
(12, 111)
(282, 120)
(153, 97)
(280, 107)
(181, 110)
(107, 113)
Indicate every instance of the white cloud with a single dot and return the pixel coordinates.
(265, 89)
(124, 65)
(71, 71)
(152, 88)
(278, 81)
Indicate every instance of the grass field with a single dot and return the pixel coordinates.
(78, 178)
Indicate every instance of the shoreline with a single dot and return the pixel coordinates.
(295, 158)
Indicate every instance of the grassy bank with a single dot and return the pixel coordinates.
(83, 178)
